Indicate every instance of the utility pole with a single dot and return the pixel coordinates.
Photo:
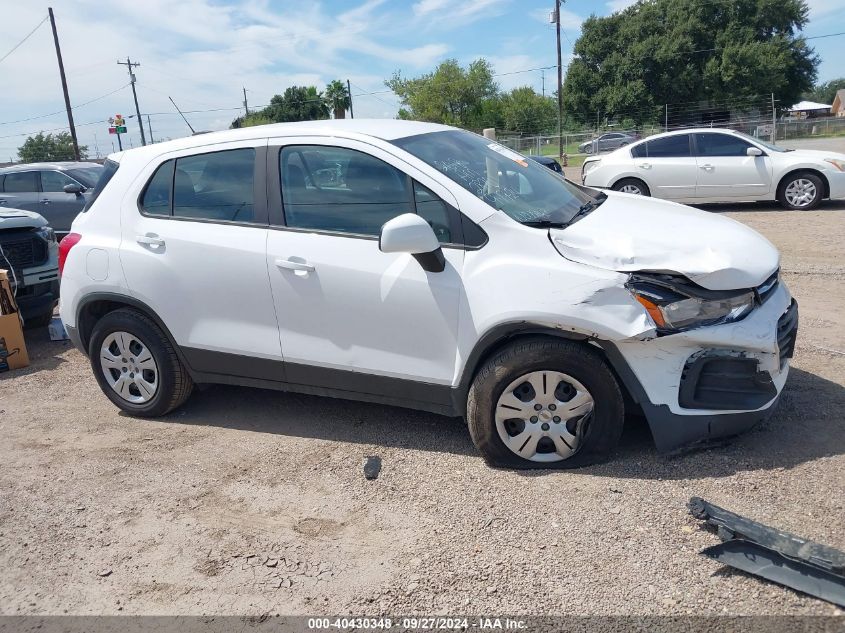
(774, 120)
(666, 119)
(349, 92)
(150, 126)
(129, 66)
(246, 107)
(64, 85)
(543, 79)
(559, 84)
(193, 131)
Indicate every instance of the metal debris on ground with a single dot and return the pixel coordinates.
(781, 557)
(372, 467)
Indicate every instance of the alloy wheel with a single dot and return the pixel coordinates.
(542, 416)
(629, 188)
(129, 367)
(800, 192)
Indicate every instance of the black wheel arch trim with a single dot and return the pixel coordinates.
(671, 432)
(84, 330)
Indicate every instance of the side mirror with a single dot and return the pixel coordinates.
(754, 151)
(409, 233)
(74, 188)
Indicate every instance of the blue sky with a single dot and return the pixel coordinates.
(202, 52)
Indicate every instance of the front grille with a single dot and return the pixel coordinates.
(788, 332)
(767, 288)
(22, 250)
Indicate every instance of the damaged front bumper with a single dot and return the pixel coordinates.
(784, 558)
(710, 382)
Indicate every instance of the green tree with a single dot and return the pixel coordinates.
(527, 112)
(826, 91)
(337, 98)
(298, 103)
(451, 94)
(50, 147)
(655, 52)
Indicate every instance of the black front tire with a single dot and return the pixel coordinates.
(174, 382)
(632, 182)
(570, 357)
(792, 178)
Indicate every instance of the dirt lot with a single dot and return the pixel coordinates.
(250, 501)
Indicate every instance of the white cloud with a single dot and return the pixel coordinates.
(618, 5)
(199, 52)
(450, 13)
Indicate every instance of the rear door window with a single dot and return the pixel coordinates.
(667, 147)
(21, 182)
(216, 186)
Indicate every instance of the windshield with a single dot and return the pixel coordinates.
(527, 191)
(88, 176)
(768, 146)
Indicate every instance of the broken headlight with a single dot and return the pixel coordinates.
(677, 304)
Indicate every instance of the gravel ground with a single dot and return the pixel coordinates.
(250, 501)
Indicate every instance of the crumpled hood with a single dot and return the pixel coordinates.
(630, 233)
(20, 219)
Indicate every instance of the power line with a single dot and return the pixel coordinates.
(15, 47)
(44, 116)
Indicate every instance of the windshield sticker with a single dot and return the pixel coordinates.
(508, 153)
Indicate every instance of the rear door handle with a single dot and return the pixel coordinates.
(45, 200)
(149, 240)
(292, 265)
(645, 165)
(707, 167)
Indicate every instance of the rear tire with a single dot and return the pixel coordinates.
(566, 370)
(634, 186)
(800, 191)
(136, 366)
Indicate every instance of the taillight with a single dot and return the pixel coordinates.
(68, 242)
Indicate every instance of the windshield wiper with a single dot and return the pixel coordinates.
(545, 224)
(588, 206)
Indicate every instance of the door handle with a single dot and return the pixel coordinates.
(149, 240)
(707, 167)
(45, 200)
(4, 201)
(292, 265)
(645, 165)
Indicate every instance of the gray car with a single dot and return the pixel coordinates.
(58, 191)
(607, 142)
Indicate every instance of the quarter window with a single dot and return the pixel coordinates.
(156, 198)
(666, 147)
(21, 182)
(339, 189)
(434, 211)
(709, 144)
(55, 181)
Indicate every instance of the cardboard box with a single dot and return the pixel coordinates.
(12, 346)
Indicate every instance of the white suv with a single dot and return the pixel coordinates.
(423, 266)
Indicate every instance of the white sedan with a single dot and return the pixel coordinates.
(718, 165)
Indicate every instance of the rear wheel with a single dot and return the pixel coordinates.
(545, 403)
(136, 366)
(800, 191)
(633, 186)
